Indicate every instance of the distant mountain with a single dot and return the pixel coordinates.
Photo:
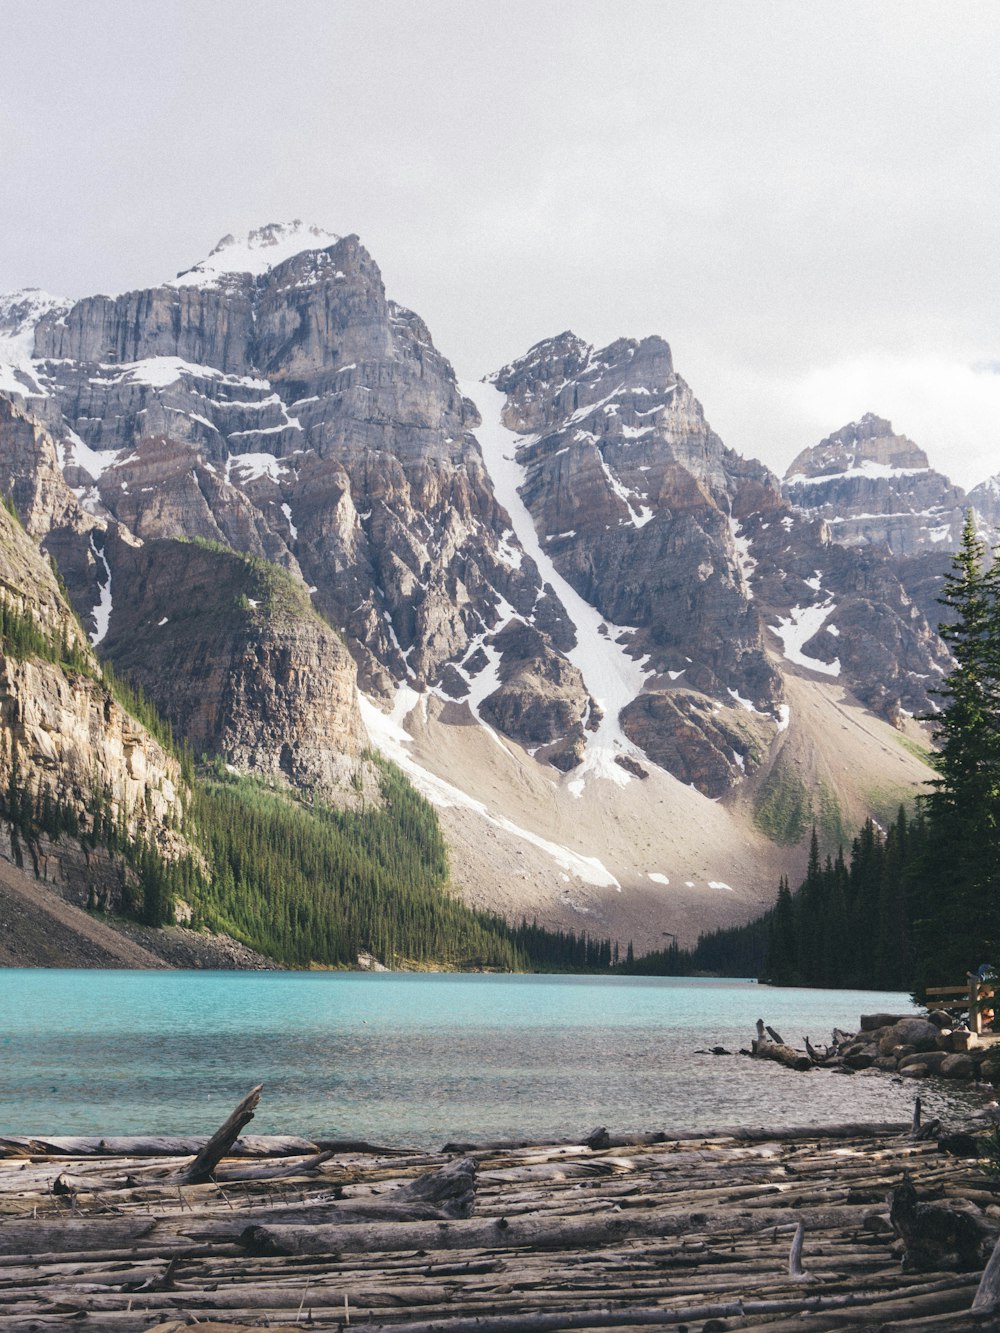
(619, 657)
(985, 499)
(871, 485)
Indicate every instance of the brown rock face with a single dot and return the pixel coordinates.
(237, 659)
(637, 501)
(873, 630)
(30, 474)
(634, 494)
(541, 698)
(699, 742)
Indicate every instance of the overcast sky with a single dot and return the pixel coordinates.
(802, 198)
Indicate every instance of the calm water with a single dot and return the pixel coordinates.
(419, 1059)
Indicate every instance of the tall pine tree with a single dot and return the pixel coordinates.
(957, 883)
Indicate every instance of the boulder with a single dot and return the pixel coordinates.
(871, 1022)
(932, 1061)
(957, 1066)
(963, 1040)
(919, 1033)
(914, 1071)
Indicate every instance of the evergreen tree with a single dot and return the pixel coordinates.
(782, 960)
(957, 882)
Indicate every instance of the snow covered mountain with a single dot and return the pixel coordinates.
(627, 667)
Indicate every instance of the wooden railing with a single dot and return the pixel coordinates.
(975, 995)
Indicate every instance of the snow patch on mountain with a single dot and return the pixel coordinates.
(73, 452)
(795, 631)
(610, 675)
(251, 467)
(744, 560)
(19, 381)
(159, 372)
(102, 611)
(865, 468)
(255, 254)
(19, 313)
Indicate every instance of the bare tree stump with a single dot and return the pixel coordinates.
(222, 1140)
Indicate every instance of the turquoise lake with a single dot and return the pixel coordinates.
(421, 1059)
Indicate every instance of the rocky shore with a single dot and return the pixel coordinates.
(908, 1045)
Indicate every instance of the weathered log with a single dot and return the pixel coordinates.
(987, 1295)
(302, 1166)
(850, 1129)
(784, 1055)
(765, 1047)
(361, 1146)
(532, 1231)
(795, 1269)
(146, 1145)
(221, 1142)
(816, 1056)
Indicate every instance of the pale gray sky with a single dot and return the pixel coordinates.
(802, 198)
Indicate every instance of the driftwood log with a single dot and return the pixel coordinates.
(765, 1048)
(788, 1229)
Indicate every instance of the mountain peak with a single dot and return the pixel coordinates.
(860, 446)
(256, 253)
(19, 313)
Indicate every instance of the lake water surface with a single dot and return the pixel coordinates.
(420, 1059)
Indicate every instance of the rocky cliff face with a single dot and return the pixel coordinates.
(287, 408)
(64, 731)
(985, 499)
(638, 503)
(238, 660)
(875, 489)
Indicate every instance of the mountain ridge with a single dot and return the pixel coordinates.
(489, 565)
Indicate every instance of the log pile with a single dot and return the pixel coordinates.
(799, 1229)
